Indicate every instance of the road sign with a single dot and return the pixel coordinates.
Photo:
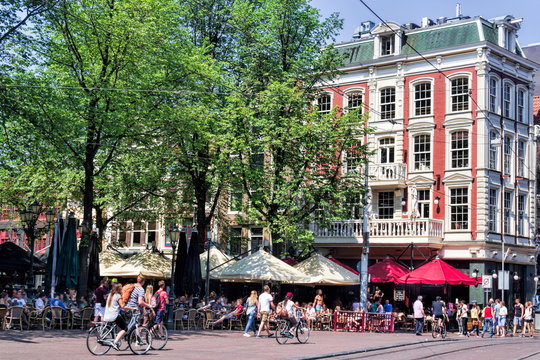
(487, 281)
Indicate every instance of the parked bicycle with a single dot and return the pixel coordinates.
(101, 336)
(283, 333)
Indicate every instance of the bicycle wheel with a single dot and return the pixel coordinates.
(443, 331)
(282, 333)
(122, 344)
(302, 332)
(159, 341)
(140, 340)
(96, 342)
(434, 330)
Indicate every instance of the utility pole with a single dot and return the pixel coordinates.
(365, 245)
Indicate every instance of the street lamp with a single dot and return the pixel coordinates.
(475, 273)
(29, 218)
(174, 236)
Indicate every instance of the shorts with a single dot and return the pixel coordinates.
(159, 316)
(265, 316)
(99, 310)
(528, 320)
(501, 321)
(230, 316)
(518, 321)
(439, 317)
(318, 307)
(121, 322)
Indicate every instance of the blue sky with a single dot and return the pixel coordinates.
(406, 11)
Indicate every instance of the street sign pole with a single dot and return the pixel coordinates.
(365, 245)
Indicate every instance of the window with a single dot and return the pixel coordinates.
(460, 94)
(521, 159)
(422, 99)
(422, 152)
(507, 99)
(521, 105)
(507, 211)
(354, 101)
(386, 205)
(493, 84)
(493, 150)
(388, 103)
(354, 206)
(387, 45)
(460, 149)
(492, 221)
(521, 215)
(423, 203)
(235, 241)
(386, 150)
(459, 211)
(235, 197)
(507, 154)
(324, 104)
(353, 158)
(256, 239)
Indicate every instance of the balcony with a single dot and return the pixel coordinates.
(383, 232)
(385, 175)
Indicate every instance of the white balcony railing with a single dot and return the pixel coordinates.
(387, 228)
(387, 172)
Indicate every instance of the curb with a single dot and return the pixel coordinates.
(366, 350)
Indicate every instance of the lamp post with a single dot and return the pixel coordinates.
(174, 236)
(29, 219)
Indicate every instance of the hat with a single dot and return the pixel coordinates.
(289, 294)
(114, 280)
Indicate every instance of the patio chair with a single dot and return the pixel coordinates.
(14, 316)
(3, 312)
(237, 322)
(191, 318)
(178, 318)
(39, 318)
(59, 316)
(82, 317)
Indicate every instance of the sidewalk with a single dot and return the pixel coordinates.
(200, 345)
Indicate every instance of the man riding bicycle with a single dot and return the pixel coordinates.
(439, 311)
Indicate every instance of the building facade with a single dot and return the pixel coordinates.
(454, 152)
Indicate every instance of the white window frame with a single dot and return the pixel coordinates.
(521, 214)
(493, 151)
(450, 108)
(393, 207)
(424, 204)
(230, 201)
(466, 150)
(521, 108)
(492, 209)
(415, 101)
(494, 94)
(252, 237)
(390, 149)
(385, 114)
(347, 98)
(521, 156)
(427, 152)
(390, 39)
(464, 205)
(507, 145)
(331, 101)
(508, 99)
(507, 211)
(347, 169)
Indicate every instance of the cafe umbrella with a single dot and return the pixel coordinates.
(52, 260)
(67, 268)
(93, 262)
(192, 273)
(181, 254)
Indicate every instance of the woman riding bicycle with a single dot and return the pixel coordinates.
(289, 310)
(112, 312)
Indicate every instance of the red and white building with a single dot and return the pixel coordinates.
(453, 170)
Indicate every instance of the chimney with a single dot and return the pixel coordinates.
(441, 20)
(458, 10)
(427, 22)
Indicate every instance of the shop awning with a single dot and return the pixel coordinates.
(262, 266)
(323, 271)
(386, 271)
(437, 272)
(147, 263)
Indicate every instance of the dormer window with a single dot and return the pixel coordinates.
(387, 45)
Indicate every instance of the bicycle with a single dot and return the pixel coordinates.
(102, 334)
(283, 330)
(438, 327)
(158, 341)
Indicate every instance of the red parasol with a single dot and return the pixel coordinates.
(437, 272)
(386, 271)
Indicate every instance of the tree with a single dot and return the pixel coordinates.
(289, 155)
(90, 104)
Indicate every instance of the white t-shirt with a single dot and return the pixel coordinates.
(289, 306)
(111, 312)
(503, 311)
(464, 310)
(311, 312)
(418, 308)
(40, 304)
(265, 299)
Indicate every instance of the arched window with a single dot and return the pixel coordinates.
(354, 101)
(422, 99)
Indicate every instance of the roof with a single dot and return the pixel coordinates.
(440, 38)
(532, 52)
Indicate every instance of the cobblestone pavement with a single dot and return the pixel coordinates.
(63, 345)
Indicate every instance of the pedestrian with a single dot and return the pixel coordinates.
(265, 304)
(475, 319)
(148, 313)
(380, 307)
(528, 319)
(496, 309)
(387, 306)
(378, 295)
(159, 302)
(419, 315)
(100, 296)
(318, 301)
(464, 318)
(487, 314)
(519, 312)
(251, 312)
(503, 314)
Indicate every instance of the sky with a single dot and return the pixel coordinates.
(407, 11)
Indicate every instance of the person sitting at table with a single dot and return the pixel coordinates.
(57, 301)
(82, 303)
(232, 315)
(19, 300)
(40, 302)
(4, 299)
(181, 303)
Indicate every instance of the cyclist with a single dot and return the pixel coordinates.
(112, 312)
(439, 311)
(289, 307)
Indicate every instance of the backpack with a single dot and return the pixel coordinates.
(155, 302)
(126, 292)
